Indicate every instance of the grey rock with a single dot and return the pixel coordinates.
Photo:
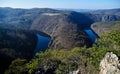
(110, 64)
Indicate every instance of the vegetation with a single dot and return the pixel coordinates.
(67, 31)
(86, 60)
(19, 43)
(107, 43)
(104, 27)
(16, 66)
(15, 43)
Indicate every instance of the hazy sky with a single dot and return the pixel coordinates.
(77, 4)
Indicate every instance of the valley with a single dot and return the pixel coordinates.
(42, 43)
(27, 36)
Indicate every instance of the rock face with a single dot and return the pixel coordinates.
(110, 64)
(106, 15)
(105, 20)
(107, 11)
(74, 72)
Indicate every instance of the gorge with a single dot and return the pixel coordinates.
(91, 34)
(20, 37)
(42, 43)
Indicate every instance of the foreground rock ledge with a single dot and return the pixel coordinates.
(110, 64)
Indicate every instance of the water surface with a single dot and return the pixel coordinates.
(91, 34)
(42, 43)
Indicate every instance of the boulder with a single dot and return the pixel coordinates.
(110, 64)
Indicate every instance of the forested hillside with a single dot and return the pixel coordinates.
(16, 43)
(72, 46)
(66, 28)
(85, 60)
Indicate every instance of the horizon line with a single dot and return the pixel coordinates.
(60, 8)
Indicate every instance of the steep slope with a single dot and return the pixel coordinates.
(65, 27)
(20, 18)
(107, 11)
(105, 20)
(103, 27)
(103, 17)
(20, 43)
(16, 43)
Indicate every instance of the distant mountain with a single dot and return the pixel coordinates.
(65, 27)
(100, 14)
(94, 11)
(18, 29)
(76, 10)
(19, 18)
(108, 20)
(103, 17)
(107, 12)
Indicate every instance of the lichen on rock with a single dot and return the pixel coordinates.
(110, 64)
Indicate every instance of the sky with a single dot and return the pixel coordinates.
(70, 4)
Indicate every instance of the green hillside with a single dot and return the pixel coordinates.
(86, 60)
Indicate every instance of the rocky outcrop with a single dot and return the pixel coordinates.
(110, 64)
(74, 72)
(107, 11)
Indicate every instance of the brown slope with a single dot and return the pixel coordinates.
(66, 29)
(103, 27)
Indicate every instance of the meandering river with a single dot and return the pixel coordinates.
(91, 34)
(42, 43)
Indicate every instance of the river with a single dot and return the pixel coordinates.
(42, 43)
(92, 35)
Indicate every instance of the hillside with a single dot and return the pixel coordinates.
(107, 11)
(16, 43)
(66, 28)
(63, 27)
(103, 27)
(79, 60)
(18, 29)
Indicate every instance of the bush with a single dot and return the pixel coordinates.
(17, 66)
(86, 60)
